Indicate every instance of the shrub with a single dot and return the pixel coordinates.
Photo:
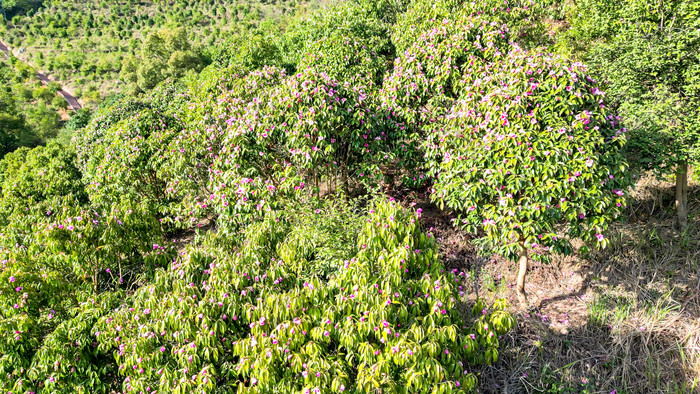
(57, 249)
(67, 360)
(356, 24)
(262, 318)
(347, 43)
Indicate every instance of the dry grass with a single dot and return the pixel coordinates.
(625, 319)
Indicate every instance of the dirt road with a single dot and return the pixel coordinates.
(72, 101)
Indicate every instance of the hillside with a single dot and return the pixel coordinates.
(396, 196)
(85, 44)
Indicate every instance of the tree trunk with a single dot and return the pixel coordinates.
(682, 195)
(522, 272)
(346, 183)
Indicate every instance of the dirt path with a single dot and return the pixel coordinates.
(72, 101)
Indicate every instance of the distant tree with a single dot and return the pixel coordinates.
(248, 51)
(14, 131)
(79, 120)
(346, 42)
(43, 94)
(163, 54)
(44, 121)
(15, 6)
(59, 102)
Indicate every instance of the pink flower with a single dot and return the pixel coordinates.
(600, 237)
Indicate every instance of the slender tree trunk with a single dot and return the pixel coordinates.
(522, 272)
(346, 183)
(682, 195)
(318, 184)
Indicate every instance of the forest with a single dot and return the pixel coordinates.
(365, 196)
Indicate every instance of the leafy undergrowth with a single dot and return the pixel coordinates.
(625, 319)
(312, 300)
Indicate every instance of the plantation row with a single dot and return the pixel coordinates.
(228, 231)
(87, 44)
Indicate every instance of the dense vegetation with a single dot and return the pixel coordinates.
(28, 109)
(648, 57)
(228, 227)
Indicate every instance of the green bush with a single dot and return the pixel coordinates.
(280, 314)
(347, 42)
(58, 249)
(651, 71)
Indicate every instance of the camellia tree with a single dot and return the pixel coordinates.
(647, 54)
(530, 157)
(286, 138)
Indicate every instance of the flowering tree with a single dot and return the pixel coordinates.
(436, 42)
(530, 157)
(288, 137)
